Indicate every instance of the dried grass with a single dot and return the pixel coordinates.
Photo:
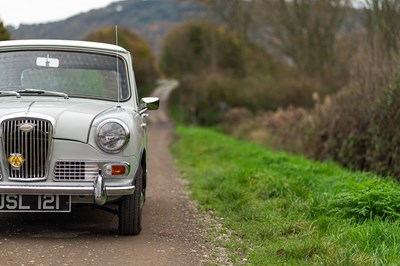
(358, 126)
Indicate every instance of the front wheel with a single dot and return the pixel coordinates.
(130, 209)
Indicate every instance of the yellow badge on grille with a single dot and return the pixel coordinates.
(16, 160)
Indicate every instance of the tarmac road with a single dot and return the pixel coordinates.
(171, 235)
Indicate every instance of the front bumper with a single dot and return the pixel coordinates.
(98, 190)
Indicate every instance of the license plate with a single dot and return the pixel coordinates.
(35, 203)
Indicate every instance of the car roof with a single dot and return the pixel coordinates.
(61, 44)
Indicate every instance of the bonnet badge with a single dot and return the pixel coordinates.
(26, 127)
(16, 160)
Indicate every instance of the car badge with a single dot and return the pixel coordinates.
(16, 160)
(26, 127)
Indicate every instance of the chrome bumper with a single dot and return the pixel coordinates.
(99, 191)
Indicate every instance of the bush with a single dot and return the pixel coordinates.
(218, 72)
(358, 126)
(199, 47)
(279, 130)
(203, 97)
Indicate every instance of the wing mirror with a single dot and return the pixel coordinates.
(149, 103)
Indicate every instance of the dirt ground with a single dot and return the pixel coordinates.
(174, 232)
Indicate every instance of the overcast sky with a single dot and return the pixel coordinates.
(15, 12)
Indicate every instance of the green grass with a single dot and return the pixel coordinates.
(287, 210)
(175, 109)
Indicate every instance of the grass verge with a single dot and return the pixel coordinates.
(288, 210)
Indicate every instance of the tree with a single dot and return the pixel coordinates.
(241, 75)
(4, 33)
(307, 30)
(236, 14)
(383, 24)
(303, 32)
(206, 77)
(191, 49)
(142, 56)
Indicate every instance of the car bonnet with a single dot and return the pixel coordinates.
(71, 120)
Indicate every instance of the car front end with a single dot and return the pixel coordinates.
(72, 130)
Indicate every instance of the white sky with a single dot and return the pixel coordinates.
(15, 12)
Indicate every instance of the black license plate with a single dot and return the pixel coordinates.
(35, 203)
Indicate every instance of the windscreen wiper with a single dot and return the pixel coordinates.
(56, 93)
(10, 93)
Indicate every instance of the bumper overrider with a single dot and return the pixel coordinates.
(98, 190)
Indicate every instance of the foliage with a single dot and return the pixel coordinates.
(219, 71)
(287, 210)
(357, 126)
(152, 20)
(383, 24)
(362, 135)
(200, 47)
(236, 14)
(369, 200)
(142, 56)
(307, 30)
(4, 34)
(309, 34)
(284, 129)
(360, 127)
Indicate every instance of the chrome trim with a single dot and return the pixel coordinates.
(29, 107)
(100, 165)
(22, 115)
(100, 196)
(143, 113)
(151, 103)
(127, 167)
(65, 190)
(125, 127)
(13, 93)
(72, 170)
(26, 127)
(35, 147)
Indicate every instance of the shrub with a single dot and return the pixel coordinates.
(279, 130)
(218, 71)
(358, 126)
(199, 47)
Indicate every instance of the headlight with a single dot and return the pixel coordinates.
(112, 135)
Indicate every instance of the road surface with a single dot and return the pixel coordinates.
(171, 235)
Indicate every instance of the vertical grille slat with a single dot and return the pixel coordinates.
(34, 146)
(24, 166)
(30, 154)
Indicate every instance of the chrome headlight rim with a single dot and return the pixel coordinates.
(100, 126)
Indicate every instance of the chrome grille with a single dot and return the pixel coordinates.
(34, 146)
(75, 171)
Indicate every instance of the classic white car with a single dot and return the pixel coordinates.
(72, 129)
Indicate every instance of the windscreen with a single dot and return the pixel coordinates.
(77, 74)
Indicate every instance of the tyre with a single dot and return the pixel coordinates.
(130, 209)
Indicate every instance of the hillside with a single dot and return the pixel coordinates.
(152, 19)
